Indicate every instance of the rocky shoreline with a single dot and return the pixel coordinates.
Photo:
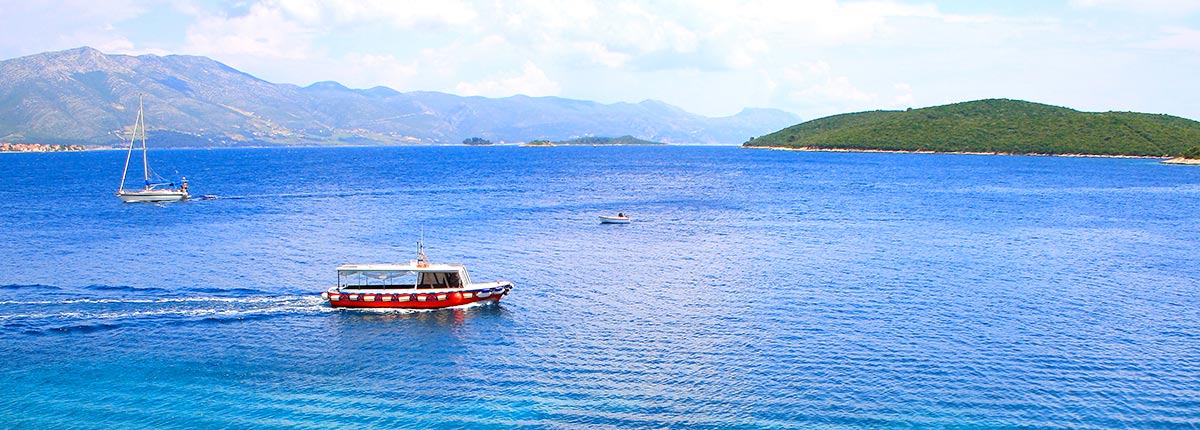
(39, 147)
(1181, 160)
(897, 151)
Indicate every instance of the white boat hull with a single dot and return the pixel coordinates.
(153, 196)
(606, 219)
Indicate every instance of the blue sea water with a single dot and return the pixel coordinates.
(754, 290)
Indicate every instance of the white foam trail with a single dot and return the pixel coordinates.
(253, 299)
(281, 303)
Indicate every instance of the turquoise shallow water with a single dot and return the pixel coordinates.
(754, 290)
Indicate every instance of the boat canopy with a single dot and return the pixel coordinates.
(402, 276)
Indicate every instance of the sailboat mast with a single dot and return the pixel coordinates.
(129, 154)
(145, 163)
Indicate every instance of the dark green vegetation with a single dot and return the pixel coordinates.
(476, 141)
(623, 140)
(995, 126)
(83, 96)
(594, 141)
(1193, 152)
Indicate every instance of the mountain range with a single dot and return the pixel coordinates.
(83, 96)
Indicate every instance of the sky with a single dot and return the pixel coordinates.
(813, 58)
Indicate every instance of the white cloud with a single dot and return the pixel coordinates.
(597, 53)
(30, 27)
(607, 34)
(1177, 38)
(814, 57)
(810, 23)
(118, 45)
(263, 32)
(1154, 7)
(702, 35)
(618, 36)
(904, 97)
(374, 70)
(400, 14)
(294, 28)
(530, 81)
(815, 89)
(806, 85)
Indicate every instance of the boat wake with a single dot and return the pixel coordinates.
(347, 193)
(311, 195)
(35, 316)
(144, 301)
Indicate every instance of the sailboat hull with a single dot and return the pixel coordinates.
(153, 196)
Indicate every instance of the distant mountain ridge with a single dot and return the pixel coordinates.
(994, 126)
(83, 96)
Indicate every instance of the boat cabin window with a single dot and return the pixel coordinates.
(440, 280)
(396, 280)
(377, 280)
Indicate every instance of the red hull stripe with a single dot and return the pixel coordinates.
(430, 302)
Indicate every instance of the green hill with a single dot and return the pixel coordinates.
(994, 125)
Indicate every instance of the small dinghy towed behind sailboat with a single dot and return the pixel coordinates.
(156, 188)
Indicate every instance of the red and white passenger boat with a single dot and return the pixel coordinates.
(416, 285)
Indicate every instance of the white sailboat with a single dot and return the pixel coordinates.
(156, 188)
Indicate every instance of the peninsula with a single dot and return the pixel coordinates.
(997, 126)
(595, 141)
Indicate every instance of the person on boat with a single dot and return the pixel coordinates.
(184, 186)
(620, 214)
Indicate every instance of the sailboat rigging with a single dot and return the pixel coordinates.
(156, 189)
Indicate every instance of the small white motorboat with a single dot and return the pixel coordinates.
(614, 219)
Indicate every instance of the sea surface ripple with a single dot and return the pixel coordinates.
(754, 290)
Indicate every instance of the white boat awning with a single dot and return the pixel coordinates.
(383, 271)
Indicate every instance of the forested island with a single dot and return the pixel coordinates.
(596, 141)
(995, 126)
